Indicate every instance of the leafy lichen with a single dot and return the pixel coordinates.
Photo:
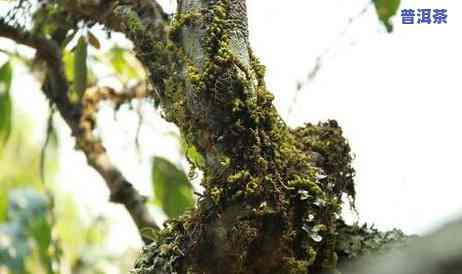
(355, 241)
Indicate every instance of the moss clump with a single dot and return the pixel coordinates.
(355, 241)
(294, 266)
(132, 21)
(164, 254)
(268, 206)
(332, 154)
(181, 20)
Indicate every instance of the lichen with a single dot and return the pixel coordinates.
(327, 141)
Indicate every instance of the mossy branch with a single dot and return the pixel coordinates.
(267, 206)
(272, 194)
(439, 252)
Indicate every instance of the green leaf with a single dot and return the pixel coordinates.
(385, 10)
(6, 76)
(195, 157)
(68, 60)
(80, 66)
(172, 190)
(118, 61)
(192, 154)
(40, 230)
(124, 64)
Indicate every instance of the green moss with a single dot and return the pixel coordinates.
(240, 175)
(258, 68)
(267, 203)
(355, 241)
(335, 154)
(295, 266)
(164, 253)
(180, 20)
(195, 78)
(130, 17)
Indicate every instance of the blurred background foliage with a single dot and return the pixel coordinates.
(41, 227)
(40, 231)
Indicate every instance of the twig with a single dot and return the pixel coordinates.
(45, 144)
(320, 59)
(139, 111)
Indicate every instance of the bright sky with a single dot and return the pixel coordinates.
(395, 96)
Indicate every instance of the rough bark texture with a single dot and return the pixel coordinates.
(272, 195)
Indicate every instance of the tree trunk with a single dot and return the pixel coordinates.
(272, 194)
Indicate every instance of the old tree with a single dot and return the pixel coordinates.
(273, 194)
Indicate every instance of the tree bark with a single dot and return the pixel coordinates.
(273, 195)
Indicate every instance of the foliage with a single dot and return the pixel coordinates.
(21, 151)
(41, 229)
(191, 153)
(80, 66)
(77, 70)
(360, 240)
(385, 10)
(172, 190)
(33, 241)
(5, 103)
(125, 66)
(27, 220)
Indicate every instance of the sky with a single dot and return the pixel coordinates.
(395, 96)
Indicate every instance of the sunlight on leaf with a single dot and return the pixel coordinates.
(80, 67)
(125, 65)
(172, 190)
(40, 230)
(191, 153)
(5, 103)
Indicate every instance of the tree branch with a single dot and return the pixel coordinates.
(262, 191)
(437, 253)
(357, 242)
(267, 206)
(56, 89)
